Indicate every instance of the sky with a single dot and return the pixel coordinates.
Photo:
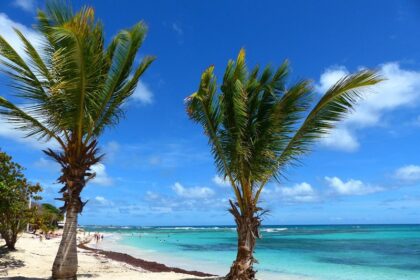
(158, 169)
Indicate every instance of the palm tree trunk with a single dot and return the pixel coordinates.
(65, 263)
(247, 228)
(76, 162)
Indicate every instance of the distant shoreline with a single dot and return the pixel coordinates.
(147, 265)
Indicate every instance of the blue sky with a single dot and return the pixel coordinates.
(158, 169)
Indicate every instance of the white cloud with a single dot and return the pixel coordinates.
(111, 150)
(330, 77)
(408, 173)
(400, 89)
(44, 163)
(152, 195)
(351, 187)
(194, 192)
(9, 131)
(220, 181)
(142, 93)
(302, 192)
(103, 201)
(177, 29)
(101, 177)
(341, 139)
(6, 27)
(27, 5)
(161, 209)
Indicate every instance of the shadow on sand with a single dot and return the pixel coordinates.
(24, 278)
(6, 261)
(86, 275)
(213, 278)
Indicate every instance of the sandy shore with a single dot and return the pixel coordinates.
(33, 260)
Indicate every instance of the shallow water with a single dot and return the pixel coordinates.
(340, 252)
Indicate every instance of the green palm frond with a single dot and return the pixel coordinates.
(257, 125)
(27, 123)
(336, 103)
(73, 86)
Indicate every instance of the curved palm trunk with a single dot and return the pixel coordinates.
(76, 163)
(247, 226)
(65, 263)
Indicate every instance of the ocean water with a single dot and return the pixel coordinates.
(333, 252)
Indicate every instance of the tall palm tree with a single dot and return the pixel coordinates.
(257, 126)
(71, 90)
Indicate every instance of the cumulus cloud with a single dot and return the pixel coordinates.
(341, 139)
(351, 187)
(143, 94)
(9, 131)
(101, 177)
(6, 27)
(44, 163)
(220, 181)
(26, 5)
(408, 173)
(152, 195)
(302, 192)
(193, 192)
(400, 89)
(100, 200)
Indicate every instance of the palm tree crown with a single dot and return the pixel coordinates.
(74, 87)
(257, 126)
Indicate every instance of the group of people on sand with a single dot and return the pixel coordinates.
(47, 235)
(97, 236)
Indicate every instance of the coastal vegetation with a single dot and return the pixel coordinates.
(15, 195)
(258, 126)
(71, 90)
(46, 217)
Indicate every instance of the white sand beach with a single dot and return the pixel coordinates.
(33, 261)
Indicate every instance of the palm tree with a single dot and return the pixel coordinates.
(71, 90)
(257, 126)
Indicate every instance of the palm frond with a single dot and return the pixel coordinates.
(257, 125)
(336, 103)
(25, 122)
(202, 108)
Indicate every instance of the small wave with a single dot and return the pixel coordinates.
(273, 229)
(195, 228)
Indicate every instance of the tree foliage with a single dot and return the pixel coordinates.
(258, 125)
(15, 192)
(68, 92)
(72, 88)
(47, 217)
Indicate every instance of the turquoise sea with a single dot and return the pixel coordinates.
(330, 252)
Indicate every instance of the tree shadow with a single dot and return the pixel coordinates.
(8, 262)
(87, 275)
(24, 278)
(212, 278)
(3, 251)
